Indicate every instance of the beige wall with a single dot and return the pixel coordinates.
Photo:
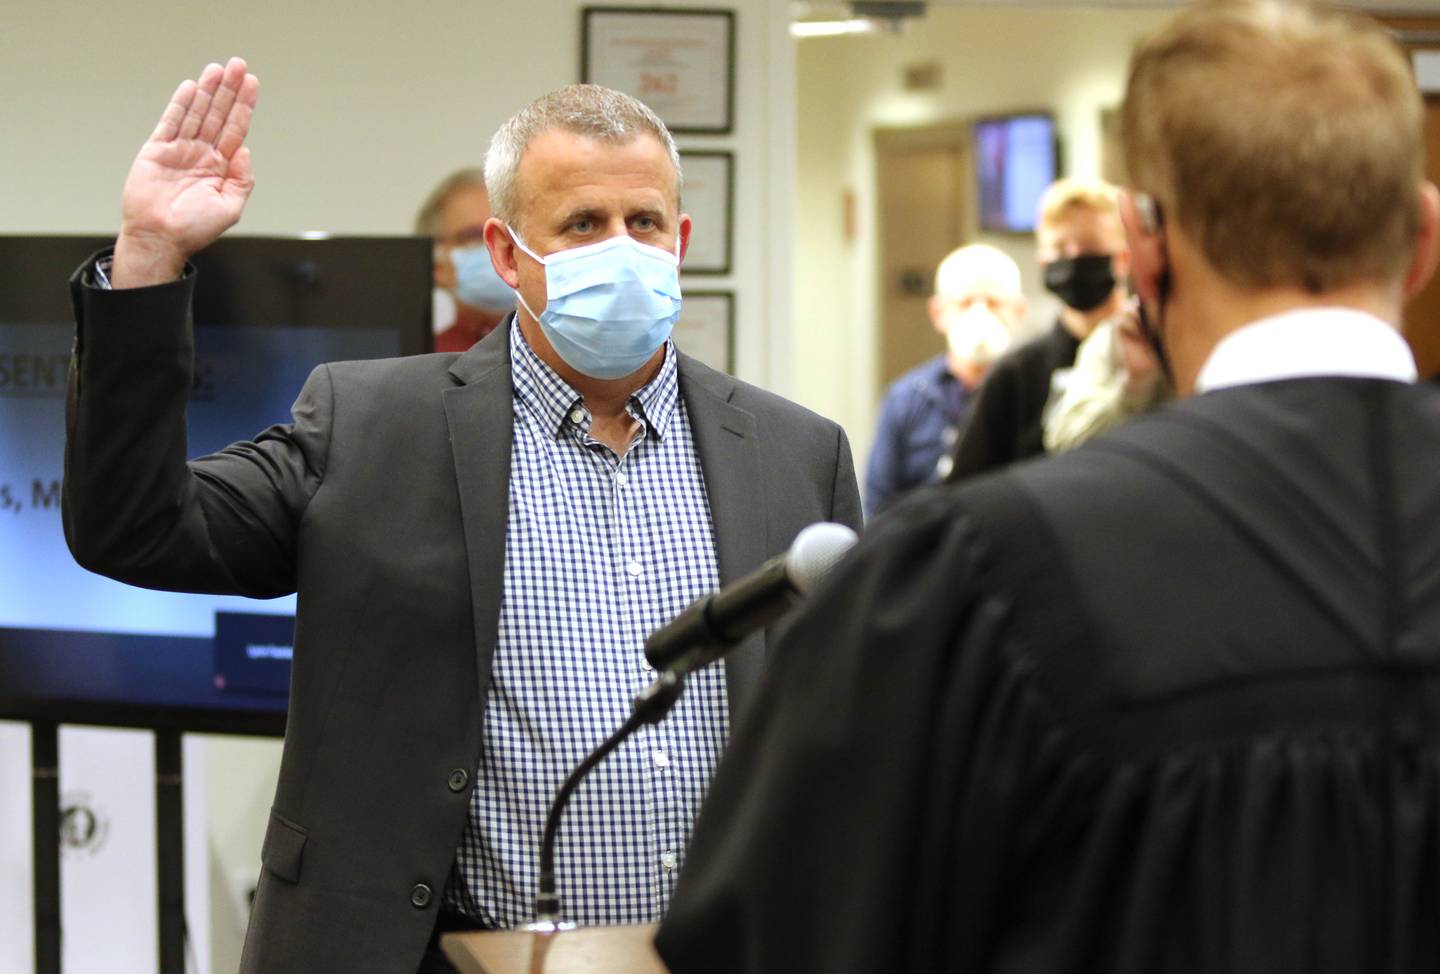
(1068, 60)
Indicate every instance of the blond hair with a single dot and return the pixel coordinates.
(1065, 196)
(591, 110)
(1286, 142)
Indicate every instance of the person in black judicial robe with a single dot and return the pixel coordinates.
(1169, 702)
(1165, 703)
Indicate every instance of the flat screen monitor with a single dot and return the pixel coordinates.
(76, 647)
(1016, 158)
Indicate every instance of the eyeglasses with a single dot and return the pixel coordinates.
(464, 237)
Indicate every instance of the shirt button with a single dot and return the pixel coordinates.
(633, 568)
(669, 861)
(420, 896)
(662, 760)
(458, 778)
(577, 416)
(622, 478)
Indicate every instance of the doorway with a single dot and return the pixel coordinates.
(924, 207)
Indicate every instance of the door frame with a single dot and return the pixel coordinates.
(956, 134)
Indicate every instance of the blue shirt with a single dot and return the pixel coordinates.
(600, 550)
(921, 419)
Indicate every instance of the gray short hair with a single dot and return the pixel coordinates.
(591, 110)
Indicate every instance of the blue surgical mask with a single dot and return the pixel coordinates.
(476, 282)
(609, 306)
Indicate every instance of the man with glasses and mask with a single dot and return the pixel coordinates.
(1081, 249)
(471, 299)
(481, 542)
(1166, 702)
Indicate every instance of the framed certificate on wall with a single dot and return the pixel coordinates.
(708, 196)
(678, 60)
(706, 329)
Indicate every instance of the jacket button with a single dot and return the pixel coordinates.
(458, 779)
(420, 896)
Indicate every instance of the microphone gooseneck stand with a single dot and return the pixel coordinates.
(701, 634)
(651, 705)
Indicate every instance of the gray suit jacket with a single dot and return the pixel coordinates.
(383, 504)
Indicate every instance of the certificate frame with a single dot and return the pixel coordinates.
(678, 60)
(708, 196)
(706, 329)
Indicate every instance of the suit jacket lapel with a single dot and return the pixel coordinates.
(725, 440)
(480, 414)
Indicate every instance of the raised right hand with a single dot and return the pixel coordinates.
(191, 179)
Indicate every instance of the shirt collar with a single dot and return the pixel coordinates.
(556, 403)
(1307, 343)
(657, 398)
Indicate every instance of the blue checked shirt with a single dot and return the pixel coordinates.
(600, 550)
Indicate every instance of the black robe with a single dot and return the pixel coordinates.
(1168, 703)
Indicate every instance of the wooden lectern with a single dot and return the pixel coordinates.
(586, 950)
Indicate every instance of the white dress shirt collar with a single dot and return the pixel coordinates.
(1307, 343)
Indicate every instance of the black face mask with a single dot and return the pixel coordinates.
(1083, 283)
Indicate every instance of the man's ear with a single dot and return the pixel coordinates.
(1148, 259)
(502, 251)
(1427, 241)
(936, 308)
(685, 228)
(444, 276)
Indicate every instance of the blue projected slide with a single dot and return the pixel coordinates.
(71, 637)
(246, 379)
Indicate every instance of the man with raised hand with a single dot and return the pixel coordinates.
(480, 542)
(1168, 702)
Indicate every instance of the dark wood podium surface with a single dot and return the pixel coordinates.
(586, 950)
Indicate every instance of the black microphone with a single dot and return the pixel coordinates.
(714, 623)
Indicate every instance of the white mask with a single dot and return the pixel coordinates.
(976, 334)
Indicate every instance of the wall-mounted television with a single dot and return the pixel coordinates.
(79, 648)
(1016, 157)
